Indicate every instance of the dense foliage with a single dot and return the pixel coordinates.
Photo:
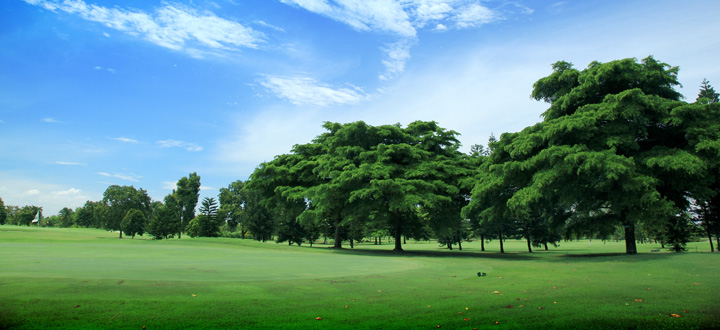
(618, 154)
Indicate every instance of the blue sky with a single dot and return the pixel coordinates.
(102, 92)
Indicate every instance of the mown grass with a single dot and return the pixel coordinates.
(89, 279)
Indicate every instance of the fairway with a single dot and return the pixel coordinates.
(89, 279)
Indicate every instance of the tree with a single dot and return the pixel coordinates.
(165, 219)
(231, 206)
(134, 223)
(207, 224)
(66, 217)
(707, 94)
(3, 212)
(85, 215)
(612, 149)
(256, 216)
(188, 192)
(119, 200)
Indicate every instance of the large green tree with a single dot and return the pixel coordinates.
(134, 223)
(207, 223)
(231, 206)
(165, 219)
(188, 193)
(119, 200)
(612, 150)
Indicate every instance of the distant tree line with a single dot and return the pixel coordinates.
(618, 155)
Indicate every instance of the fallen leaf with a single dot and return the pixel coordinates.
(346, 306)
(639, 300)
(521, 306)
(194, 295)
(466, 319)
(509, 306)
(524, 291)
(318, 318)
(379, 290)
(555, 302)
(527, 299)
(459, 312)
(554, 287)
(686, 311)
(648, 289)
(675, 315)
(496, 292)
(76, 306)
(517, 298)
(500, 277)
(466, 308)
(454, 275)
(428, 306)
(541, 307)
(697, 283)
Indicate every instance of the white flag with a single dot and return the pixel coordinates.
(37, 217)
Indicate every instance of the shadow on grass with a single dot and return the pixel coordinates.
(435, 254)
(617, 256)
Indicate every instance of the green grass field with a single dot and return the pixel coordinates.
(90, 279)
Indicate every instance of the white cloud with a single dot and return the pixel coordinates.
(111, 70)
(98, 67)
(396, 55)
(179, 144)
(207, 188)
(474, 15)
(69, 163)
(364, 15)
(69, 192)
(51, 197)
(172, 26)
(127, 140)
(32, 192)
(126, 177)
(169, 185)
(50, 120)
(308, 91)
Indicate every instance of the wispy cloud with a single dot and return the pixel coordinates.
(404, 18)
(364, 15)
(126, 140)
(126, 177)
(50, 120)
(69, 163)
(308, 91)
(172, 26)
(396, 55)
(179, 144)
(69, 192)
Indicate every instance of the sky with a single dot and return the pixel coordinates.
(96, 93)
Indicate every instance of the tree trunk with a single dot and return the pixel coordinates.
(502, 248)
(376, 240)
(712, 249)
(449, 246)
(717, 240)
(630, 244)
(404, 239)
(482, 243)
(243, 233)
(380, 239)
(546, 247)
(352, 246)
(460, 245)
(338, 241)
(398, 233)
(121, 233)
(528, 244)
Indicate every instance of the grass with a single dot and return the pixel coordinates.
(90, 279)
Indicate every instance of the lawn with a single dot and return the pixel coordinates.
(90, 279)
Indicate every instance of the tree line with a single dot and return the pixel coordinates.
(618, 153)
